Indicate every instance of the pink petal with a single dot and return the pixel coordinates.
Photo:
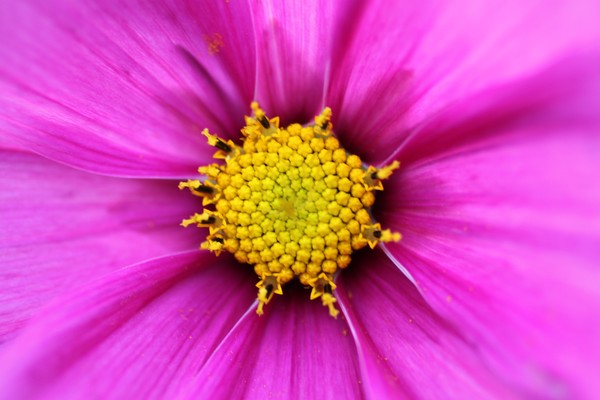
(406, 349)
(503, 240)
(405, 61)
(124, 88)
(62, 227)
(141, 332)
(295, 350)
(564, 95)
(294, 44)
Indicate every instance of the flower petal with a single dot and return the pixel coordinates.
(503, 240)
(566, 94)
(293, 47)
(141, 332)
(405, 61)
(406, 349)
(295, 350)
(124, 88)
(62, 227)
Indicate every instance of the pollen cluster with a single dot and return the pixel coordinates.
(289, 201)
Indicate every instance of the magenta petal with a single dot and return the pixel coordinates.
(406, 349)
(293, 44)
(62, 227)
(141, 332)
(295, 350)
(503, 240)
(405, 61)
(124, 88)
(565, 96)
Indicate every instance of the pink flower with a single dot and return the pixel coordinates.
(491, 107)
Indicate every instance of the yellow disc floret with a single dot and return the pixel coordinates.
(289, 201)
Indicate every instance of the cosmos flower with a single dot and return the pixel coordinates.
(490, 107)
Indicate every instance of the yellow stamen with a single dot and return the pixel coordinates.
(373, 176)
(329, 301)
(224, 147)
(267, 287)
(291, 202)
(323, 124)
(190, 183)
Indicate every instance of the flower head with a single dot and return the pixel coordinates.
(491, 109)
(291, 202)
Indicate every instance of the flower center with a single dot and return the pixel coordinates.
(289, 201)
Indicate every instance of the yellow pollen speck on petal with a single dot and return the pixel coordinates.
(214, 43)
(289, 201)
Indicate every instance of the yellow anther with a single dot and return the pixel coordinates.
(373, 235)
(389, 236)
(320, 284)
(387, 171)
(267, 287)
(329, 301)
(212, 171)
(323, 122)
(190, 184)
(189, 221)
(372, 177)
(224, 147)
(290, 202)
(323, 286)
(207, 190)
(213, 243)
(268, 126)
(258, 112)
(207, 219)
